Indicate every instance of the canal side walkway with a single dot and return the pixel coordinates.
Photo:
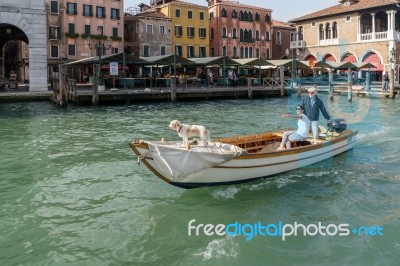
(84, 96)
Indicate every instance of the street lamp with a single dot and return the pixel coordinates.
(293, 51)
(99, 46)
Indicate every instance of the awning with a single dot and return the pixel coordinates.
(343, 65)
(118, 57)
(214, 61)
(287, 63)
(167, 60)
(252, 62)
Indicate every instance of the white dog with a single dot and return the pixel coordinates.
(186, 131)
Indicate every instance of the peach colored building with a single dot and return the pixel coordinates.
(70, 22)
(238, 30)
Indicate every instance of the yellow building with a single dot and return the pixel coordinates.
(190, 31)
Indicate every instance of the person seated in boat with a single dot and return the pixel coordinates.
(303, 128)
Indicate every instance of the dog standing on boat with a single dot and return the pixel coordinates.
(186, 131)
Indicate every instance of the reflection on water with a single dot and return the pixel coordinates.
(72, 192)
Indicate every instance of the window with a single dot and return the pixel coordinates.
(190, 14)
(115, 32)
(54, 7)
(300, 33)
(88, 10)
(234, 51)
(335, 30)
(87, 29)
(257, 35)
(212, 53)
(71, 49)
(71, 27)
(190, 32)
(292, 39)
(267, 18)
(224, 13)
(234, 33)
(224, 50)
(71, 9)
(54, 33)
(202, 51)
(163, 51)
(241, 52)
(178, 31)
(201, 15)
(268, 54)
(327, 31)
(250, 52)
(114, 50)
(223, 32)
(177, 13)
(162, 29)
(257, 17)
(257, 52)
(115, 13)
(178, 50)
(149, 28)
(54, 51)
(211, 34)
(267, 36)
(313, 24)
(100, 30)
(234, 14)
(321, 32)
(348, 19)
(146, 50)
(100, 12)
(190, 51)
(211, 15)
(278, 38)
(202, 33)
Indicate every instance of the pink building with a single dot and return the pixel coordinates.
(239, 31)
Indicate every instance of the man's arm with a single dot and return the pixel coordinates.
(323, 111)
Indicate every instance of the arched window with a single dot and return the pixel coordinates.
(300, 34)
(223, 32)
(224, 13)
(278, 38)
(241, 35)
(234, 33)
(246, 36)
(241, 52)
(257, 35)
(250, 36)
(268, 53)
(234, 13)
(335, 30)
(224, 50)
(328, 31)
(321, 32)
(267, 18)
(292, 37)
(250, 16)
(234, 51)
(250, 52)
(241, 15)
(257, 16)
(257, 52)
(246, 52)
(267, 37)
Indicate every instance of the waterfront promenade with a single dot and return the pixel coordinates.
(84, 96)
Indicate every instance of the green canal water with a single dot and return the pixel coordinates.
(71, 192)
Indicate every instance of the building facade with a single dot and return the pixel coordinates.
(282, 34)
(352, 31)
(189, 27)
(239, 31)
(71, 22)
(148, 33)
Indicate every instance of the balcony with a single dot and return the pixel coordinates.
(328, 42)
(297, 45)
(374, 36)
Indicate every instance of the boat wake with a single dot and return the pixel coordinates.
(220, 248)
(226, 193)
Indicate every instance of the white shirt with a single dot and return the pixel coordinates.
(303, 126)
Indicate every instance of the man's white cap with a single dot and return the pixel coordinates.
(312, 89)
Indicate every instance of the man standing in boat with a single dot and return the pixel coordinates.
(313, 105)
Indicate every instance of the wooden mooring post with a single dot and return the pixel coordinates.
(62, 97)
(173, 89)
(95, 86)
(249, 88)
(350, 86)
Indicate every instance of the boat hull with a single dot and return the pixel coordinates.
(252, 166)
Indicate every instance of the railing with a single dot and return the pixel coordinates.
(328, 41)
(298, 44)
(374, 36)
